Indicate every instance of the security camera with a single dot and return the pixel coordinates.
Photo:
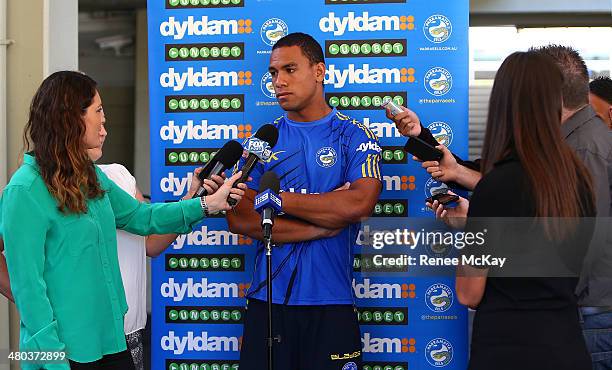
(115, 42)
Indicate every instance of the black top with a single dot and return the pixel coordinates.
(523, 322)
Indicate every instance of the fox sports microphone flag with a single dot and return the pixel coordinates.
(209, 83)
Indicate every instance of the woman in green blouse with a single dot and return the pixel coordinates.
(59, 216)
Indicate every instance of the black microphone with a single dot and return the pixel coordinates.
(225, 158)
(268, 202)
(258, 147)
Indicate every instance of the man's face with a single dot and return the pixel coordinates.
(296, 81)
(603, 109)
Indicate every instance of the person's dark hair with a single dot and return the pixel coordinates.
(524, 120)
(56, 128)
(602, 87)
(575, 74)
(309, 46)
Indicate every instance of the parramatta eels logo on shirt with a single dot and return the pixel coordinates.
(437, 28)
(273, 30)
(439, 352)
(439, 297)
(326, 157)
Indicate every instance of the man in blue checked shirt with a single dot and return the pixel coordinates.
(328, 165)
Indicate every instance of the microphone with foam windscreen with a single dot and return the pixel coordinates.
(225, 158)
(259, 147)
(268, 203)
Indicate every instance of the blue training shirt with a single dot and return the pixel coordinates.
(315, 157)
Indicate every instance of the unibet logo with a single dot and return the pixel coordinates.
(363, 101)
(206, 237)
(208, 365)
(378, 365)
(202, 289)
(203, 131)
(200, 343)
(394, 155)
(372, 344)
(204, 27)
(382, 129)
(399, 183)
(368, 290)
(203, 78)
(364, 23)
(366, 75)
(382, 316)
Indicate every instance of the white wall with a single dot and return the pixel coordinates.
(60, 35)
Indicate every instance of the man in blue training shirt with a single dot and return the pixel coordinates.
(319, 150)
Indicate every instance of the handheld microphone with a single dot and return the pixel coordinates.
(225, 158)
(258, 147)
(267, 202)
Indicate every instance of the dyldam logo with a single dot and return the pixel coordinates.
(199, 342)
(364, 22)
(174, 184)
(366, 74)
(203, 131)
(205, 236)
(203, 78)
(201, 289)
(399, 183)
(372, 344)
(203, 26)
(382, 129)
(369, 290)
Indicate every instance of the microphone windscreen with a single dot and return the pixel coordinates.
(229, 153)
(269, 180)
(268, 133)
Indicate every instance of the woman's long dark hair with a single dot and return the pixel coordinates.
(525, 119)
(56, 129)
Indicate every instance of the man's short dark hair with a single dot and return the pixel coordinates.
(602, 87)
(310, 47)
(575, 74)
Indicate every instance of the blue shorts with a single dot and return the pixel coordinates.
(312, 337)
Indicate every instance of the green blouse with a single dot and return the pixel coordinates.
(63, 268)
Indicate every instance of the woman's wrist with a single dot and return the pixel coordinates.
(204, 205)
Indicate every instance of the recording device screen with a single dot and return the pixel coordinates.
(422, 150)
(443, 198)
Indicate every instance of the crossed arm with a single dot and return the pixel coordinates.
(316, 215)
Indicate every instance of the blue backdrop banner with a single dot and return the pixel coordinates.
(208, 62)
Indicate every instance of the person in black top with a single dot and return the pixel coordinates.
(528, 322)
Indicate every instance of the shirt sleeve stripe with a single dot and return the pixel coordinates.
(379, 175)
